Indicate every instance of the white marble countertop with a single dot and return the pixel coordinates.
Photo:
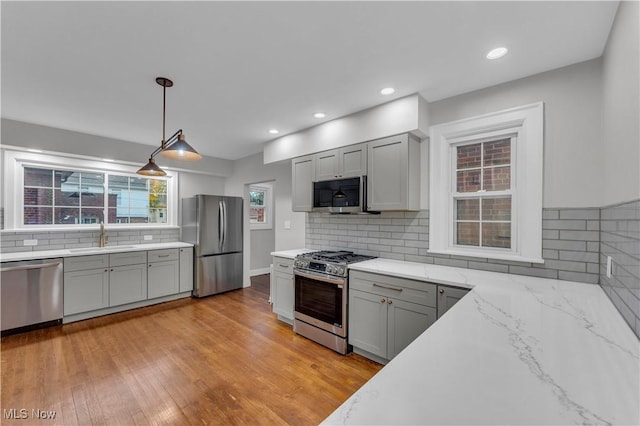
(290, 254)
(515, 350)
(48, 254)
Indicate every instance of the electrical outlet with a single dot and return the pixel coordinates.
(30, 242)
(148, 237)
(609, 266)
(287, 224)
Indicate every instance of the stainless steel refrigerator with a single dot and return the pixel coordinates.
(213, 224)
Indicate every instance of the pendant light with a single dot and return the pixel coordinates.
(176, 147)
(339, 194)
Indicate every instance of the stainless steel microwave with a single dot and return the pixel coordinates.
(340, 195)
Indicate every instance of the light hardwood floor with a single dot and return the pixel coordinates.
(223, 359)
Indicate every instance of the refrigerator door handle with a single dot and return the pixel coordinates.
(220, 224)
(224, 222)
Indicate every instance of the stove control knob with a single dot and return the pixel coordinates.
(339, 270)
(330, 269)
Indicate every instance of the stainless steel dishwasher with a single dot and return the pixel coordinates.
(31, 293)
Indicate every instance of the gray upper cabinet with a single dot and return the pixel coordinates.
(303, 170)
(350, 161)
(393, 165)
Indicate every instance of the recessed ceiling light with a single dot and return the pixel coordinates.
(34, 150)
(496, 53)
(274, 131)
(319, 114)
(387, 91)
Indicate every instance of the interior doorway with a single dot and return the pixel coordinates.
(262, 221)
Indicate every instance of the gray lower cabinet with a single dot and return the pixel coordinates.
(127, 277)
(85, 290)
(282, 292)
(163, 273)
(449, 296)
(107, 283)
(121, 278)
(186, 269)
(387, 313)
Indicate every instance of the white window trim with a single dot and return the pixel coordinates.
(527, 122)
(13, 177)
(268, 206)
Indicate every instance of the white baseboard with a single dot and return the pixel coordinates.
(260, 271)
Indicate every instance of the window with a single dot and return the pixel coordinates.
(137, 200)
(54, 196)
(50, 194)
(482, 195)
(486, 193)
(260, 206)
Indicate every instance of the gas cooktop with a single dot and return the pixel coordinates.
(329, 262)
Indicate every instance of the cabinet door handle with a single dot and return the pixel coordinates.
(383, 300)
(389, 301)
(441, 291)
(388, 288)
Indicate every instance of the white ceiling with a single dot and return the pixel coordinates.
(241, 68)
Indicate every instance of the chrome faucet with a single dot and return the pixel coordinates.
(103, 239)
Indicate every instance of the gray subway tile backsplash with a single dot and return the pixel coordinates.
(64, 239)
(620, 240)
(570, 242)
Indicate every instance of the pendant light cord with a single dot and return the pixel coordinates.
(164, 108)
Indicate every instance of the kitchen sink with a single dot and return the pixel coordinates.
(99, 249)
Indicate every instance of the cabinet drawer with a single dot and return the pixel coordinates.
(83, 263)
(128, 258)
(282, 264)
(163, 255)
(413, 291)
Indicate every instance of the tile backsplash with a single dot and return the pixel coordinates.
(620, 239)
(65, 239)
(571, 242)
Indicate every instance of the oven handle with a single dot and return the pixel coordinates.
(323, 278)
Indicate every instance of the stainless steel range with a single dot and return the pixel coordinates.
(321, 294)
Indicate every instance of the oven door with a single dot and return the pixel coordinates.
(321, 300)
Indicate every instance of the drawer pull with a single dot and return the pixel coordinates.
(388, 288)
(164, 255)
(283, 266)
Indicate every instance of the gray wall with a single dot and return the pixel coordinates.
(572, 99)
(263, 242)
(621, 86)
(620, 226)
(30, 135)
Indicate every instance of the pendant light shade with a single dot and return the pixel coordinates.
(175, 148)
(181, 150)
(151, 169)
(339, 194)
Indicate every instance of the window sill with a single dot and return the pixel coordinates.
(92, 227)
(488, 255)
